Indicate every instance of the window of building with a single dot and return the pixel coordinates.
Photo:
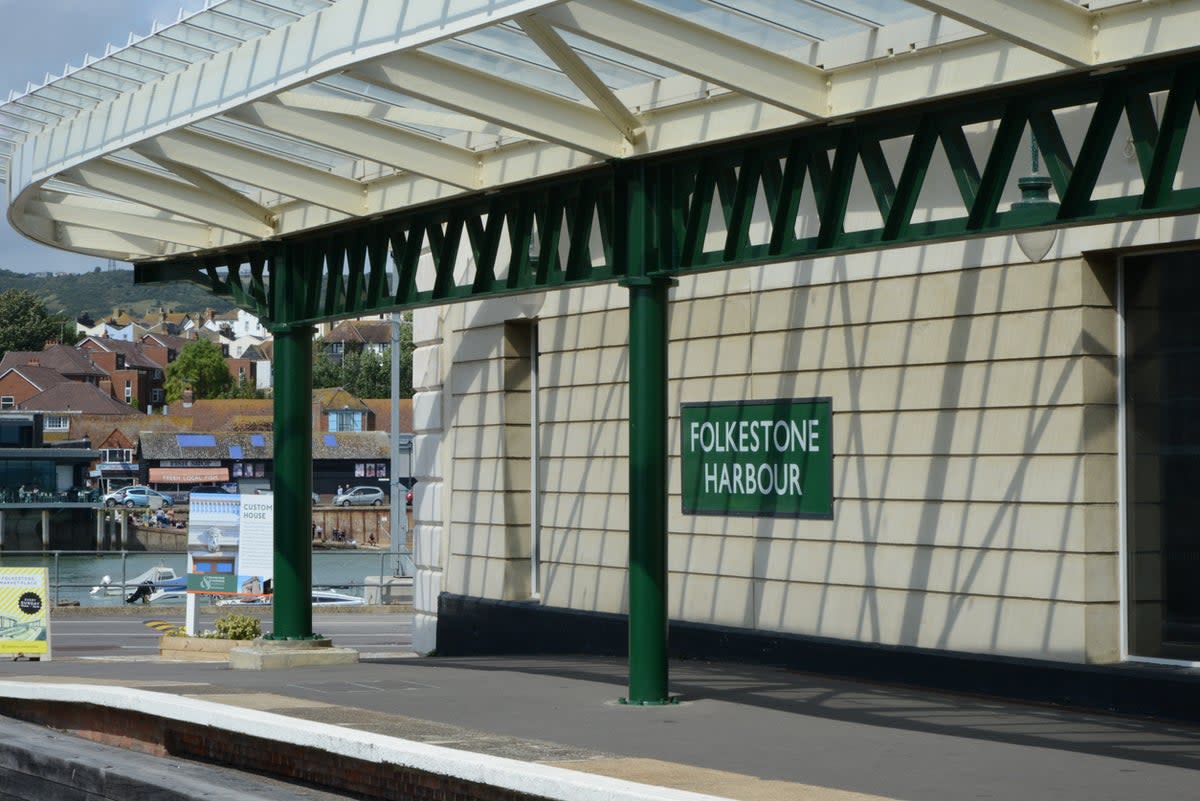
(1161, 393)
(248, 470)
(121, 455)
(345, 420)
(128, 390)
(158, 375)
(6, 402)
(156, 396)
(56, 422)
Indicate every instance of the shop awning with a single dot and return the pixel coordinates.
(187, 475)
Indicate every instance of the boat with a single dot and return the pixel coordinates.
(319, 598)
(155, 576)
(168, 591)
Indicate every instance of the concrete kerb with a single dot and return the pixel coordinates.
(557, 784)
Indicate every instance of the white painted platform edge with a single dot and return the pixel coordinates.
(527, 777)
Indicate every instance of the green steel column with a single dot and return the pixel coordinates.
(648, 490)
(647, 442)
(293, 483)
(293, 460)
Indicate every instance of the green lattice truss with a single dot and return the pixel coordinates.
(699, 205)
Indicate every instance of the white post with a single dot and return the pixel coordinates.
(45, 529)
(190, 611)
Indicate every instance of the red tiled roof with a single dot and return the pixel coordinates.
(378, 332)
(42, 378)
(63, 358)
(75, 396)
(382, 407)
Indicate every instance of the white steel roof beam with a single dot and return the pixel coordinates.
(140, 186)
(368, 140)
(187, 234)
(106, 244)
(574, 67)
(216, 190)
(541, 115)
(696, 50)
(1058, 30)
(256, 168)
(400, 115)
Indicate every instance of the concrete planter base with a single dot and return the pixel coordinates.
(272, 654)
(197, 649)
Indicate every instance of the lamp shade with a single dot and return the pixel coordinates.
(1035, 195)
(1036, 244)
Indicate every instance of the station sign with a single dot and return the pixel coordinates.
(769, 458)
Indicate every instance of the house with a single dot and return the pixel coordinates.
(136, 377)
(64, 359)
(68, 399)
(260, 356)
(335, 409)
(163, 348)
(238, 322)
(349, 336)
(21, 382)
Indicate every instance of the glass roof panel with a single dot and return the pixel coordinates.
(757, 22)
(428, 119)
(616, 68)
(523, 62)
(275, 144)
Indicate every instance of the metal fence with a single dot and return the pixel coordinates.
(80, 575)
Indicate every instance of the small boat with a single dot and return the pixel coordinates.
(156, 576)
(168, 591)
(319, 598)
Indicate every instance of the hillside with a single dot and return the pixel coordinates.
(101, 291)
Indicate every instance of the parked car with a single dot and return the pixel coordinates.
(360, 496)
(138, 496)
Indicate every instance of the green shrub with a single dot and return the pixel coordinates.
(233, 626)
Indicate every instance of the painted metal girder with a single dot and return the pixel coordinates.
(742, 203)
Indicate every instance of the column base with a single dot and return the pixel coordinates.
(273, 655)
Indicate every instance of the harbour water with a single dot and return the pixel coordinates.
(73, 574)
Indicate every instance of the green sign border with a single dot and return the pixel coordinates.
(693, 503)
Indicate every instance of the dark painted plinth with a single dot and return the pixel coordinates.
(473, 626)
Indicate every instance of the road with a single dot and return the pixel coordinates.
(128, 636)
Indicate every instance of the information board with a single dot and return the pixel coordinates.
(759, 458)
(25, 611)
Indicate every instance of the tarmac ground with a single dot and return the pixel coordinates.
(740, 732)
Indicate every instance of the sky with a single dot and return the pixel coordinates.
(40, 36)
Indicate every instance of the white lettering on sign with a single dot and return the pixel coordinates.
(756, 436)
(750, 479)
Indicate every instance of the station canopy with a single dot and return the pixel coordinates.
(251, 120)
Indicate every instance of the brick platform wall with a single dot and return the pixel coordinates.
(312, 766)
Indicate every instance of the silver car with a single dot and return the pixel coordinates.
(360, 496)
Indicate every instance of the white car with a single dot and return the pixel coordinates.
(360, 496)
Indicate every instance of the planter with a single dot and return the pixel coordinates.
(197, 649)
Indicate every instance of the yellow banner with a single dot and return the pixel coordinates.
(24, 610)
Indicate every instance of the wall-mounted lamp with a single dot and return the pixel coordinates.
(1035, 194)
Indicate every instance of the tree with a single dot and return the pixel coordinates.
(201, 366)
(243, 390)
(365, 374)
(26, 325)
